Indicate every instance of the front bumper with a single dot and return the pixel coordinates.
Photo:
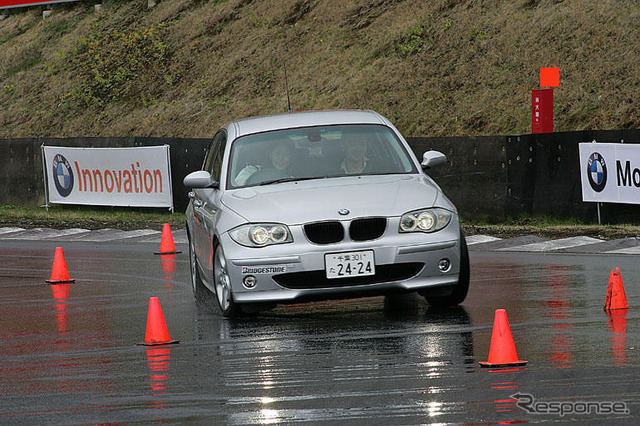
(296, 271)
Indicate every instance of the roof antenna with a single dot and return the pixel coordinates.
(286, 81)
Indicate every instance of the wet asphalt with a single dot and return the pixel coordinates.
(69, 353)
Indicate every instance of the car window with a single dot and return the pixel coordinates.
(209, 156)
(213, 160)
(316, 152)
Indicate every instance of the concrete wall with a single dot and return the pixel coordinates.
(489, 177)
(476, 178)
(507, 176)
(21, 174)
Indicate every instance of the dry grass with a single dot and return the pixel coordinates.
(437, 68)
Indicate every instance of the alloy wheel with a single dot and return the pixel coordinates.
(222, 281)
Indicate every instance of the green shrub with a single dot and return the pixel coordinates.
(112, 62)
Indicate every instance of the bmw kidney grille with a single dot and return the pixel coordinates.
(333, 232)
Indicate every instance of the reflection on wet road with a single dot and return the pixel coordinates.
(70, 357)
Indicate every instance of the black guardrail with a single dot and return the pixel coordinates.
(494, 178)
(21, 164)
(489, 177)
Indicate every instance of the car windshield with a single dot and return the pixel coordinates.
(316, 152)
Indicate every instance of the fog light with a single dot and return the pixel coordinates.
(444, 265)
(249, 281)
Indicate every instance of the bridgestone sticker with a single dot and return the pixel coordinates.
(264, 269)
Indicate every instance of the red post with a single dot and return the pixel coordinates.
(542, 111)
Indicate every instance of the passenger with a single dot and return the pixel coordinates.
(355, 154)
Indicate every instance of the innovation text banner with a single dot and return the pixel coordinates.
(609, 172)
(133, 177)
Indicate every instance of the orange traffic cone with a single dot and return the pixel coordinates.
(59, 273)
(157, 332)
(616, 297)
(502, 352)
(166, 242)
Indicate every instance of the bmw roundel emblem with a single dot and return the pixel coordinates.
(343, 212)
(62, 175)
(597, 172)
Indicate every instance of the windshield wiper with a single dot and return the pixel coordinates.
(290, 179)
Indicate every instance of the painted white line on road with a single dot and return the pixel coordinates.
(478, 239)
(554, 244)
(628, 250)
(40, 234)
(112, 234)
(179, 236)
(140, 233)
(10, 230)
(65, 233)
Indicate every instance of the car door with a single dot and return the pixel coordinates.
(206, 204)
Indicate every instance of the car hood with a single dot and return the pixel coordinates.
(316, 200)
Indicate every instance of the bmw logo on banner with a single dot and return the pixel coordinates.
(597, 172)
(62, 175)
(614, 180)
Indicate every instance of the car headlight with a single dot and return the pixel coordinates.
(427, 220)
(261, 234)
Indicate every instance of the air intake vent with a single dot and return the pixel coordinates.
(367, 229)
(324, 232)
(318, 279)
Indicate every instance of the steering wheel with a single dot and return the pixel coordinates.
(264, 175)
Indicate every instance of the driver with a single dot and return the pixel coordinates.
(279, 158)
(355, 154)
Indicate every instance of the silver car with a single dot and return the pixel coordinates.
(318, 205)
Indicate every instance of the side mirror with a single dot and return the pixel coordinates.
(431, 159)
(200, 179)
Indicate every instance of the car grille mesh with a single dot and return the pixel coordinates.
(367, 229)
(333, 232)
(324, 232)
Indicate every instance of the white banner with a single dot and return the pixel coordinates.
(132, 177)
(610, 172)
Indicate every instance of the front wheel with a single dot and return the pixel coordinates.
(222, 284)
(461, 289)
(200, 292)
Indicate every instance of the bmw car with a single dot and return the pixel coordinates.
(315, 205)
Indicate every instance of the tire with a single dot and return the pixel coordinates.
(222, 283)
(461, 289)
(201, 293)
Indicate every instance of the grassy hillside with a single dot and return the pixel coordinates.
(435, 68)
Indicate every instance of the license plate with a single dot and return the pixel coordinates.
(350, 264)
